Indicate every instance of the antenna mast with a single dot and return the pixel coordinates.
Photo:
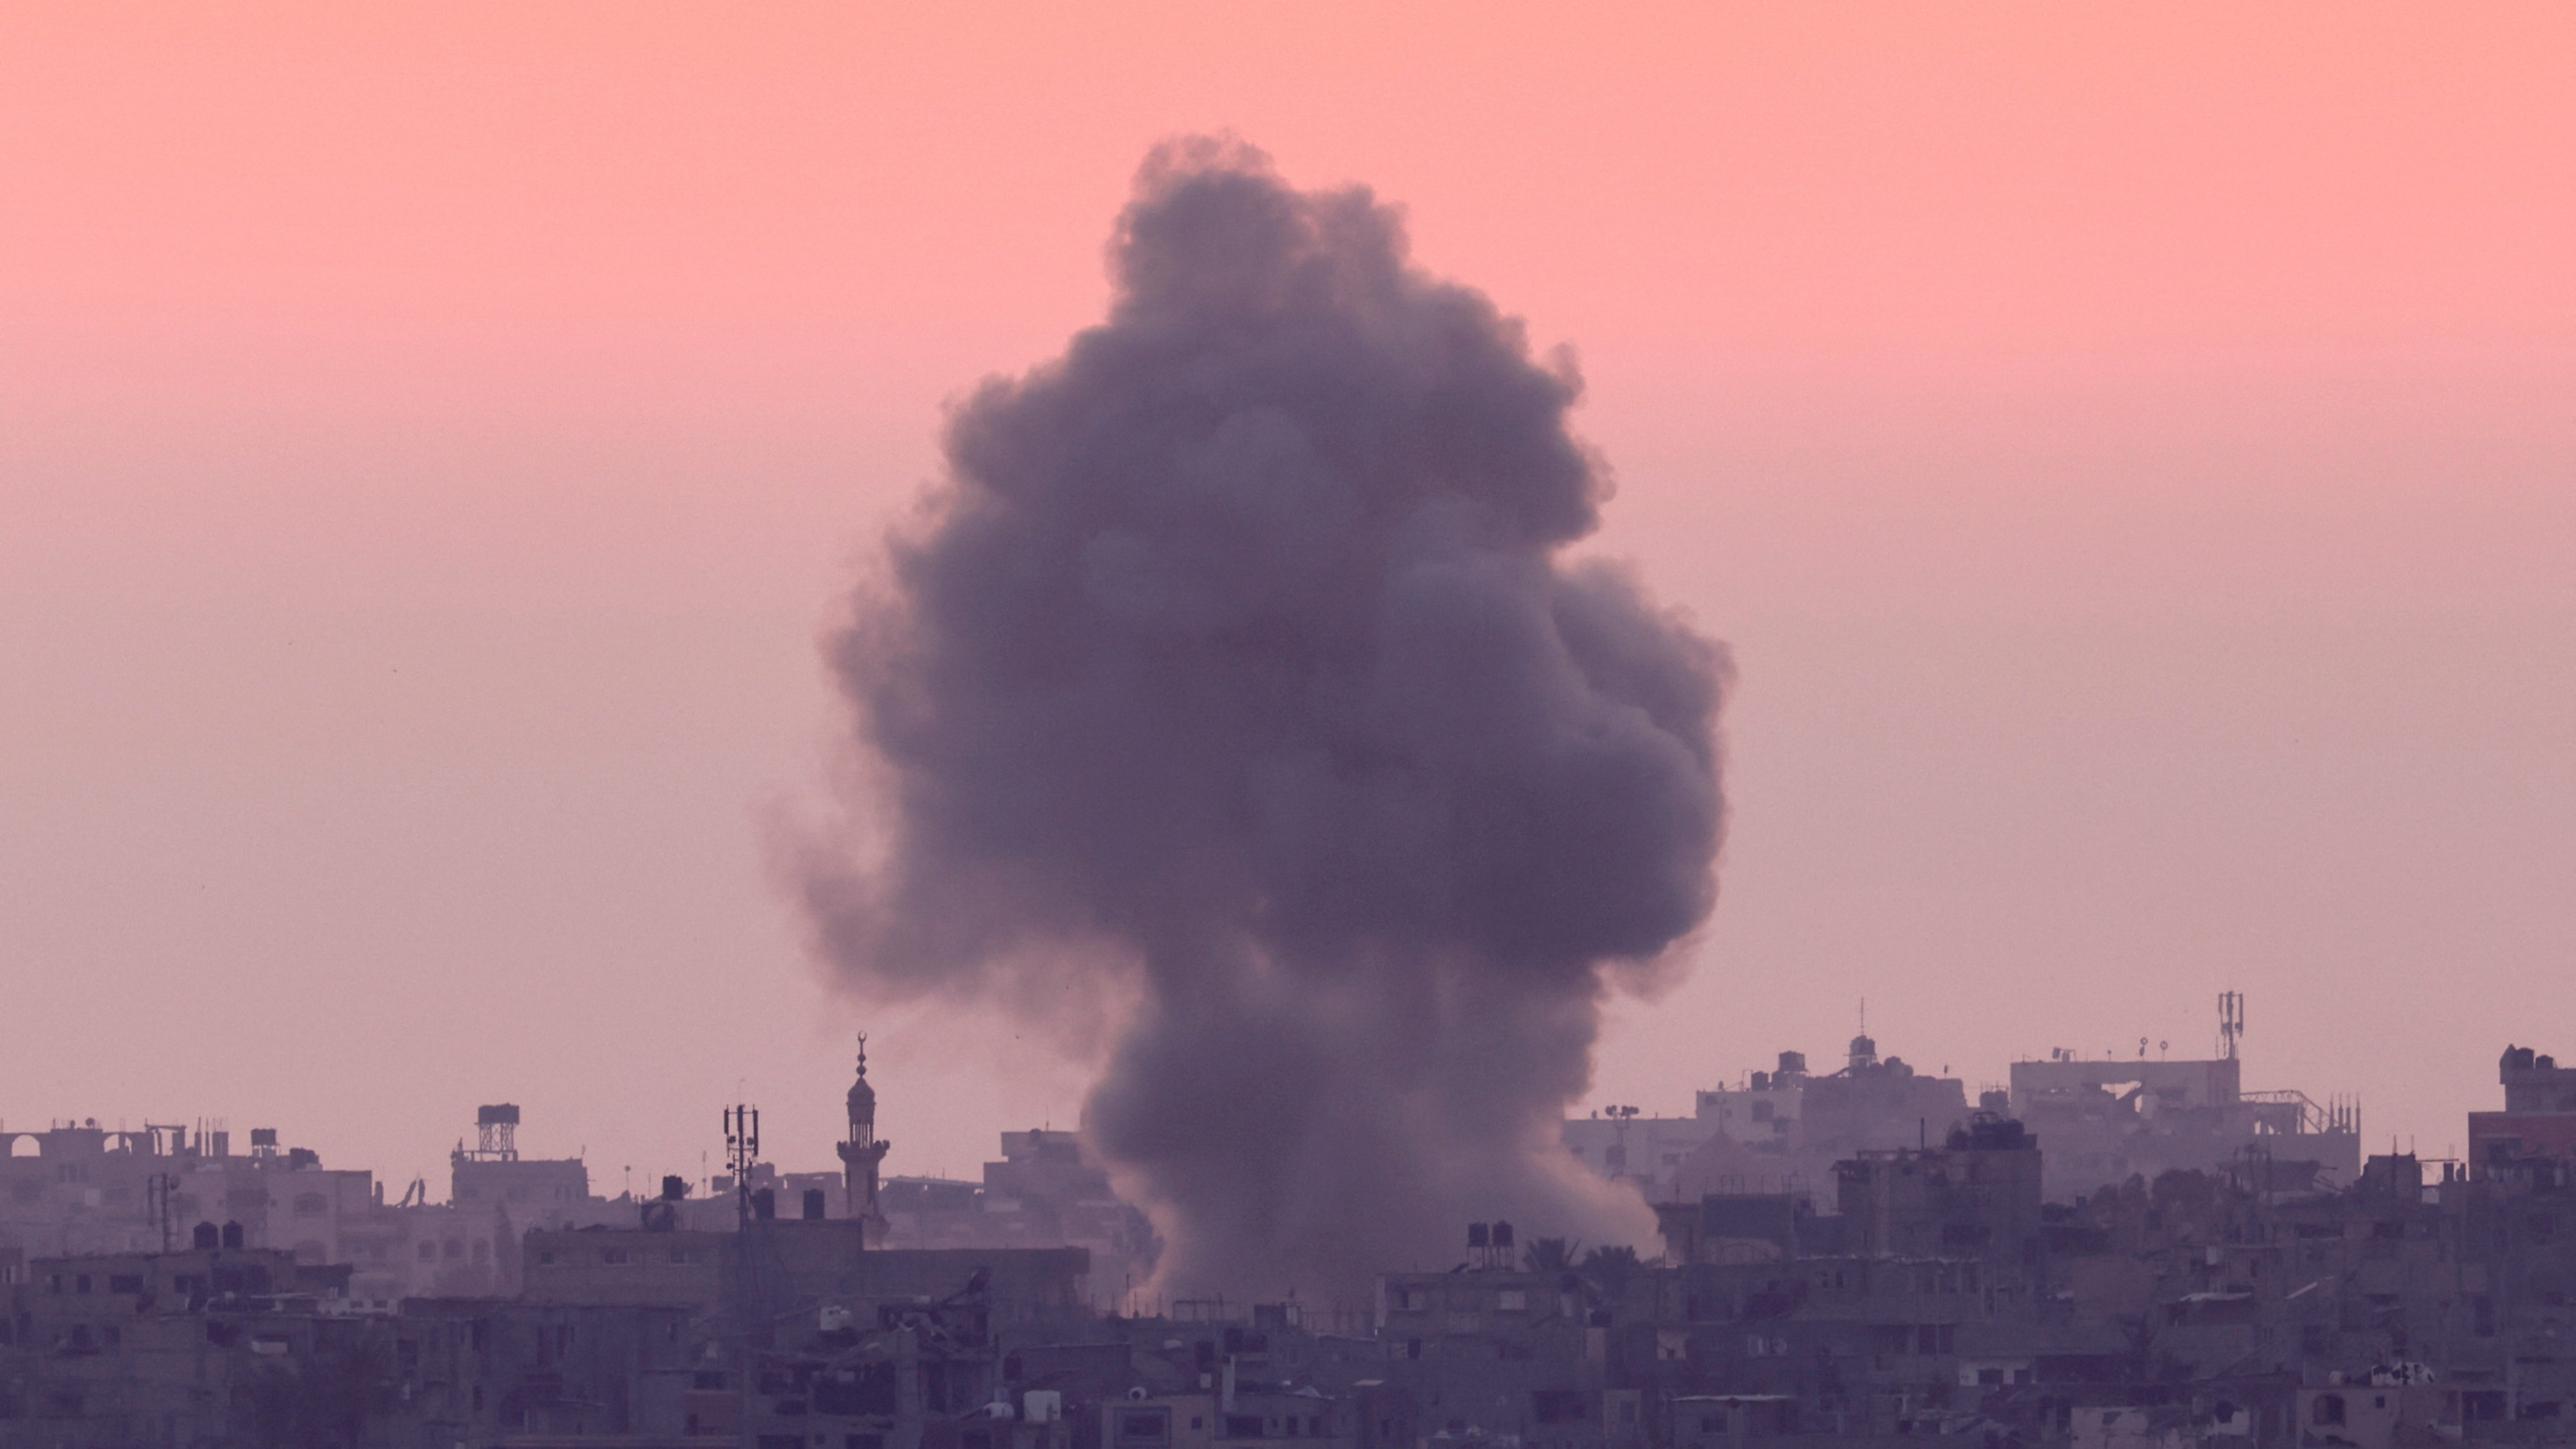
(2231, 1022)
(742, 1149)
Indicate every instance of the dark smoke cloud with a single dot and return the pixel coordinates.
(1233, 671)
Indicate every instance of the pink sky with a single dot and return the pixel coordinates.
(2133, 454)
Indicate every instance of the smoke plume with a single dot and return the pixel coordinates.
(1233, 674)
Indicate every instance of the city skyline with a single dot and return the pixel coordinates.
(2129, 470)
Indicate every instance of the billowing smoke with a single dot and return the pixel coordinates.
(1233, 675)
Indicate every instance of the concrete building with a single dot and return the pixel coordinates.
(2538, 1123)
(1765, 1108)
(1041, 1193)
(1781, 1131)
(2109, 1119)
(1625, 1145)
(1976, 1196)
(78, 1188)
(1876, 1104)
(160, 1348)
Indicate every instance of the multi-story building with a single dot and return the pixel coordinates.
(2111, 1118)
(1781, 1131)
(2538, 1123)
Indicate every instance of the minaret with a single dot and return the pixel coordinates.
(861, 1151)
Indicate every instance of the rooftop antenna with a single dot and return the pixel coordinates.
(2231, 1023)
(742, 1149)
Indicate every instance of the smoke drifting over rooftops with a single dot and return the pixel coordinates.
(1233, 672)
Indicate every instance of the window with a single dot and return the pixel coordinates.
(2326, 1409)
(1242, 1426)
(311, 1205)
(125, 1283)
(1559, 1406)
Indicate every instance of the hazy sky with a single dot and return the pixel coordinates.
(2132, 453)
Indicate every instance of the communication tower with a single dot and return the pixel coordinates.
(2231, 1023)
(742, 1151)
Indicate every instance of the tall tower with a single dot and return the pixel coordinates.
(861, 1151)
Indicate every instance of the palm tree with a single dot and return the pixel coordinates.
(1551, 1255)
(1609, 1268)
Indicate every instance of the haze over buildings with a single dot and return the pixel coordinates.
(162, 1287)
